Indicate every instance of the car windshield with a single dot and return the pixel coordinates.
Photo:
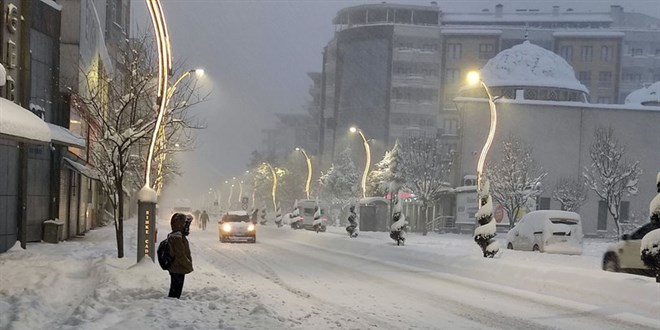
(236, 218)
(564, 221)
(639, 233)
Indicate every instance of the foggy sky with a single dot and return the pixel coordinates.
(256, 55)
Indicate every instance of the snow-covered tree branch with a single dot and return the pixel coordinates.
(571, 193)
(339, 185)
(516, 178)
(610, 176)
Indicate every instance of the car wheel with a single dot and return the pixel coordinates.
(611, 262)
(323, 229)
(536, 248)
(509, 246)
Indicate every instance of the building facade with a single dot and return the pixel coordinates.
(393, 70)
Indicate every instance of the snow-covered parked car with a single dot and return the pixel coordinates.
(624, 256)
(548, 231)
(236, 226)
(307, 212)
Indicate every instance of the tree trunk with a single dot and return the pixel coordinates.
(120, 218)
(425, 226)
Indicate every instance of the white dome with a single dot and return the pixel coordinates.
(530, 65)
(645, 95)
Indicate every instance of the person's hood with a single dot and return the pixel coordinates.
(178, 222)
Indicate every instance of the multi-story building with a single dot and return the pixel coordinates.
(393, 70)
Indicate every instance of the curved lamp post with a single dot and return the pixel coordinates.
(473, 78)
(240, 191)
(485, 231)
(147, 196)
(367, 151)
(309, 170)
(274, 191)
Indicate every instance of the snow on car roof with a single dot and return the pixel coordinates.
(239, 212)
(557, 214)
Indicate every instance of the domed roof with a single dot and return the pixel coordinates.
(527, 64)
(650, 94)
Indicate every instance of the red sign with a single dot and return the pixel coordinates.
(499, 213)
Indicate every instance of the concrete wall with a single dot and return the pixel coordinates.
(560, 136)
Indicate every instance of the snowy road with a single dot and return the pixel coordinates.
(303, 280)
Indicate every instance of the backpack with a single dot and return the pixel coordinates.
(165, 259)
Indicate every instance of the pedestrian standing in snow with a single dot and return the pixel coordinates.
(180, 251)
(205, 218)
(196, 217)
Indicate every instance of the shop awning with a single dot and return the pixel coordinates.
(82, 169)
(18, 122)
(61, 135)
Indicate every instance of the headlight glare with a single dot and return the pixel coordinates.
(250, 227)
(226, 227)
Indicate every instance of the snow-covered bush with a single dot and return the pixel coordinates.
(339, 185)
(650, 247)
(486, 231)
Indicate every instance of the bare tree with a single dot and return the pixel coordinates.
(571, 193)
(610, 176)
(120, 110)
(426, 167)
(515, 178)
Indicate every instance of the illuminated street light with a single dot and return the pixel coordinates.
(367, 151)
(240, 192)
(274, 192)
(309, 170)
(473, 78)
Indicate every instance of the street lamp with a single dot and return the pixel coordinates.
(309, 170)
(274, 191)
(147, 196)
(473, 79)
(367, 151)
(240, 191)
(484, 233)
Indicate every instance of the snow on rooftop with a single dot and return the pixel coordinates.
(527, 64)
(20, 122)
(456, 18)
(65, 136)
(52, 4)
(471, 31)
(590, 34)
(645, 95)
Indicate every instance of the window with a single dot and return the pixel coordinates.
(567, 53)
(604, 79)
(624, 211)
(453, 76)
(544, 203)
(450, 126)
(636, 52)
(586, 53)
(604, 100)
(454, 51)
(606, 53)
(602, 216)
(486, 51)
(585, 77)
(657, 52)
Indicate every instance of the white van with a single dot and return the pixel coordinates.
(547, 231)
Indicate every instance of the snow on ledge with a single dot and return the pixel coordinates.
(589, 34)
(65, 136)
(20, 122)
(3, 75)
(146, 194)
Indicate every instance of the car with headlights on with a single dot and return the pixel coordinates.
(235, 226)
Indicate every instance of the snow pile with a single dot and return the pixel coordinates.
(645, 96)
(651, 242)
(61, 134)
(146, 194)
(530, 65)
(397, 225)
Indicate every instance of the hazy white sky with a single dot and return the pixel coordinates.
(256, 55)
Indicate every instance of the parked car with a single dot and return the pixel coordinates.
(236, 226)
(307, 209)
(548, 231)
(625, 255)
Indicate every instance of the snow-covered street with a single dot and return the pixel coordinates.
(303, 280)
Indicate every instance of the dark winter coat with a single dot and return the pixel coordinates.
(179, 248)
(205, 217)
